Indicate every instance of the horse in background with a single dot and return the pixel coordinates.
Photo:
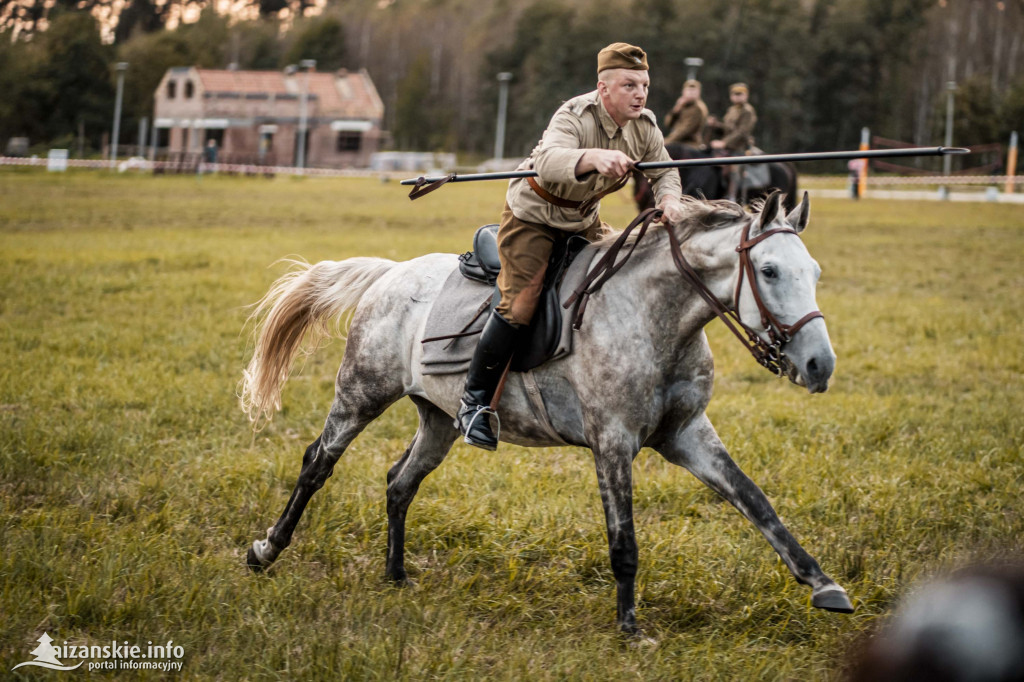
(710, 182)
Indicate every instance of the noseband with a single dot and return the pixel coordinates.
(767, 354)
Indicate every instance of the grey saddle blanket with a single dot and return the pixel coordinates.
(461, 300)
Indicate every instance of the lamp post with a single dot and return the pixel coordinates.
(947, 162)
(121, 68)
(692, 64)
(950, 89)
(309, 65)
(143, 130)
(499, 134)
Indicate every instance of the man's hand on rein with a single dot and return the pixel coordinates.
(672, 209)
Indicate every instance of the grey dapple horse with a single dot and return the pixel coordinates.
(640, 374)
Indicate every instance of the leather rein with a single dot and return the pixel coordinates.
(767, 354)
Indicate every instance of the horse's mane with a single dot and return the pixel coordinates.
(701, 215)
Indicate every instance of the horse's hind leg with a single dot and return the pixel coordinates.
(352, 410)
(699, 449)
(428, 449)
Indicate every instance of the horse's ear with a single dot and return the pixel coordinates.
(769, 212)
(798, 216)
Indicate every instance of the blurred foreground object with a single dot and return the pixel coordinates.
(969, 626)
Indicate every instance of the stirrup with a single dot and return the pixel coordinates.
(484, 410)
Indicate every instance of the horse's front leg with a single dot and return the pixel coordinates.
(698, 448)
(615, 479)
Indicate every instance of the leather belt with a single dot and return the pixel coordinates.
(582, 206)
(551, 198)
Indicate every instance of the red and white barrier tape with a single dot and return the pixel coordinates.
(874, 180)
(246, 169)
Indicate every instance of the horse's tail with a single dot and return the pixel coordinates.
(301, 302)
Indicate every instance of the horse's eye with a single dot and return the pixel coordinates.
(769, 272)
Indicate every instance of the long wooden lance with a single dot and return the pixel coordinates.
(424, 185)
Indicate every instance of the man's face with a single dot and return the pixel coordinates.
(691, 93)
(624, 93)
(738, 96)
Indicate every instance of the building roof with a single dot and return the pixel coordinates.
(342, 93)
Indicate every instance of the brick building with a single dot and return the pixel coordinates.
(253, 116)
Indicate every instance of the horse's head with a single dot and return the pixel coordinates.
(785, 277)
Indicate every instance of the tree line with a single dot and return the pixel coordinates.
(819, 70)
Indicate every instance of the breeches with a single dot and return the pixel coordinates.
(524, 249)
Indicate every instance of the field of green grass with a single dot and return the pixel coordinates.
(131, 484)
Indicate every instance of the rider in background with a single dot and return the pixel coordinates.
(738, 128)
(587, 151)
(686, 121)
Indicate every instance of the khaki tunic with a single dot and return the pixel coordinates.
(739, 124)
(530, 225)
(583, 123)
(686, 126)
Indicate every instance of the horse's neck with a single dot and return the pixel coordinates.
(659, 294)
(712, 254)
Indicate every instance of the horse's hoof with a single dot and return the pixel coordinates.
(254, 558)
(639, 640)
(402, 581)
(833, 599)
(630, 629)
(253, 562)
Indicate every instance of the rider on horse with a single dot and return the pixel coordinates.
(686, 121)
(738, 128)
(585, 153)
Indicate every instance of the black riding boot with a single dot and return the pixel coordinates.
(497, 341)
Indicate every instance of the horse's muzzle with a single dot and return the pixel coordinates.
(815, 373)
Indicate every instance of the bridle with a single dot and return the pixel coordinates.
(769, 354)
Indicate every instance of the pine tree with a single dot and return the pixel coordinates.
(45, 653)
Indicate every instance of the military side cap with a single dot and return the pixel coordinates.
(621, 56)
(738, 87)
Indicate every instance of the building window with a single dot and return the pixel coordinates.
(349, 141)
(189, 89)
(172, 88)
